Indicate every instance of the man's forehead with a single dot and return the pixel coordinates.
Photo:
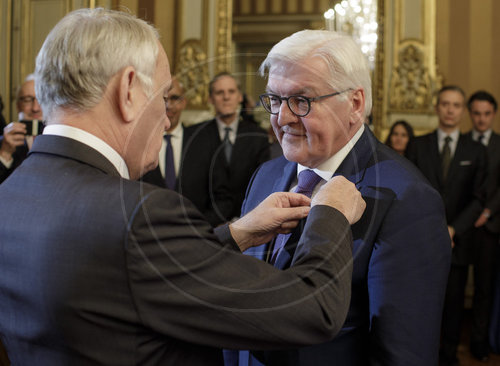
(28, 88)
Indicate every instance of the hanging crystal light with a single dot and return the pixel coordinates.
(356, 18)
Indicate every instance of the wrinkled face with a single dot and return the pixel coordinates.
(482, 113)
(145, 143)
(399, 139)
(314, 138)
(175, 104)
(27, 104)
(225, 96)
(450, 108)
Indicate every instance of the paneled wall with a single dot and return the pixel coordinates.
(468, 46)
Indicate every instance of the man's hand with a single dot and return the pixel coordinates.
(13, 136)
(277, 214)
(483, 218)
(341, 194)
(451, 231)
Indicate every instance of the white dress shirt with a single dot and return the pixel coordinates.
(486, 136)
(92, 141)
(453, 143)
(327, 169)
(177, 136)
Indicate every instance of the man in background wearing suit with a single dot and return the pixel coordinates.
(186, 164)
(242, 144)
(456, 166)
(319, 97)
(482, 110)
(97, 268)
(14, 144)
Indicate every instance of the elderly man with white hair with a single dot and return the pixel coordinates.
(97, 268)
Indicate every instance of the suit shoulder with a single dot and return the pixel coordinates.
(248, 126)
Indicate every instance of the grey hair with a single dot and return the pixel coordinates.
(30, 77)
(347, 65)
(83, 52)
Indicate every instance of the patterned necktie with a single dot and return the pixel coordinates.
(446, 157)
(228, 147)
(169, 164)
(308, 179)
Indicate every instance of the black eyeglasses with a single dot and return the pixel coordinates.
(298, 104)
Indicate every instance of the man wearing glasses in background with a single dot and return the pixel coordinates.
(319, 98)
(14, 144)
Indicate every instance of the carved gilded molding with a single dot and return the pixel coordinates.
(411, 87)
(223, 28)
(192, 71)
(378, 110)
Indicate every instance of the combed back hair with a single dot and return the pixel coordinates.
(83, 52)
(217, 77)
(484, 96)
(348, 68)
(30, 77)
(450, 88)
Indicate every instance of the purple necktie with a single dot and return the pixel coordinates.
(169, 164)
(308, 179)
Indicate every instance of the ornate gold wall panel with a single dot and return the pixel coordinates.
(223, 28)
(414, 77)
(192, 71)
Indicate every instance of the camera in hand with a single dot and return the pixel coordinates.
(33, 127)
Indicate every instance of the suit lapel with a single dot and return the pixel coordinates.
(72, 149)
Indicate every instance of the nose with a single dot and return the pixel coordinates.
(285, 115)
(167, 123)
(35, 107)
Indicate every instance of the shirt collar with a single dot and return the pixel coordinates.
(476, 134)
(177, 131)
(90, 140)
(328, 168)
(455, 134)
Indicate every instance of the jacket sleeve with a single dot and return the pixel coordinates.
(187, 285)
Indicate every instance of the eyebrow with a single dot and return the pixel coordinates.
(301, 91)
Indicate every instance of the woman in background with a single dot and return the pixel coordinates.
(400, 137)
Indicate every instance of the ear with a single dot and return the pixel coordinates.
(358, 106)
(240, 99)
(210, 100)
(130, 94)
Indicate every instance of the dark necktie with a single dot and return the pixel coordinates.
(228, 147)
(308, 179)
(169, 164)
(446, 157)
(480, 139)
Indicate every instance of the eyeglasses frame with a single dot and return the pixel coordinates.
(309, 101)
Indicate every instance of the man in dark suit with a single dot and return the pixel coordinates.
(319, 97)
(15, 144)
(189, 161)
(242, 144)
(97, 268)
(456, 166)
(482, 110)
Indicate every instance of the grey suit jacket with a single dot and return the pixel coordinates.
(96, 269)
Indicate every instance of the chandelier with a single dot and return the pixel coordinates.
(358, 19)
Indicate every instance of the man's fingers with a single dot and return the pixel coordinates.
(291, 199)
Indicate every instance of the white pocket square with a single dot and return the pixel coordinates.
(465, 162)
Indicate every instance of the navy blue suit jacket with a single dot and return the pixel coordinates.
(401, 262)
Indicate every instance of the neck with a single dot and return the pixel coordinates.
(448, 130)
(227, 118)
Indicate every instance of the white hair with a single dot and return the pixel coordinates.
(83, 52)
(347, 64)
